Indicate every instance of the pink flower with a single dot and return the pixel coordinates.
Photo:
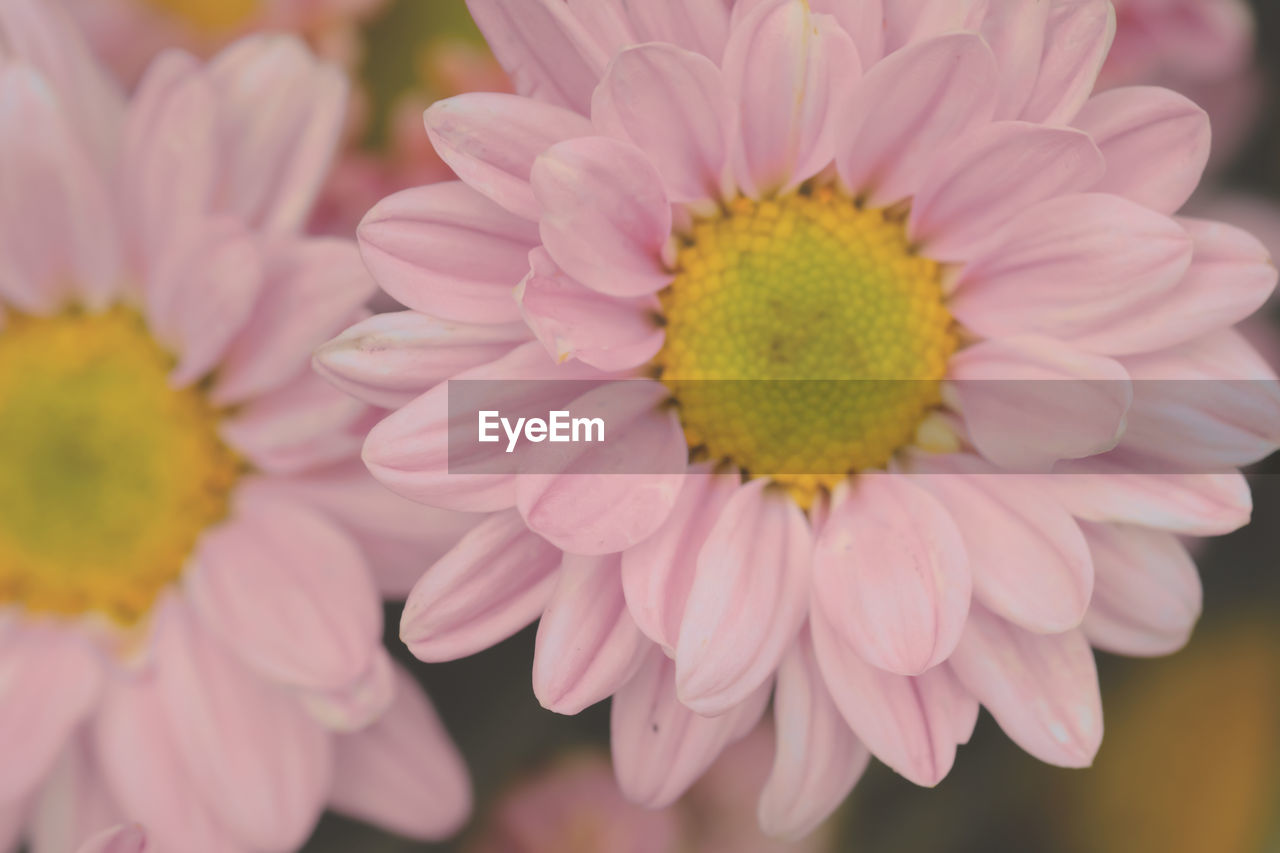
(787, 190)
(190, 550)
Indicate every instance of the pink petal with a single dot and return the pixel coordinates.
(262, 764)
(785, 69)
(49, 681)
(1041, 688)
(389, 359)
(588, 645)
(1015, 33)
(74, 803)
(13, 820)
(1079, 269)
(892, 575)
(289, 593)
(863, 20)
(1148, 597)
(698, 25)
(1156, 143)
(908, 106)
(497, 580)
(907, 722)
(403, 773)
(1191, 504)
(908, 21)
(124, 839)
(749, 597)
(1077, 39)
(592, 503)
(606, 220)
(660, 747)
(281, 118)
(492, 140)
(818, 759)
(658, 573)
(1030, 401)
(547, 52)
(673, 105)
(991, 176)
(449, 252)
(355, 704)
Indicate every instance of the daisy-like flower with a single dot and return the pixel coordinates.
(923, 193)
(190, 624)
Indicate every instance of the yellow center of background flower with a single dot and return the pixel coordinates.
(829, 305)
(107, 474)
(209, 16)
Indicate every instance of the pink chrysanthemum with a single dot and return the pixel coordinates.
(190, 625)
(841, 189)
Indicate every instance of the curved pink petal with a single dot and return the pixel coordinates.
(749, 597)
(1015, 32)
(909, 21)
(449, 252)
(660, 747)
(785, 69)
(1190, 504)
(908, 106)
(1148, 597)
(1041, 688)
(389, 359)
(495, 581)
(74, 803)
(1156, 142)
(817, 760)
(574, 321)
(658, 573)
(863, 20)
(588, 645)
(991, 176)
(124, 839)
(289, 593)
(356, 704)
(674, 106)
(403, 772)
(606, 219)
(1030, 401)
(1079, 269)
(891, 572)
(699, 25)
(1077, 38)
(492, 140)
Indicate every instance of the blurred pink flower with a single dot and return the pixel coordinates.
(190, 550)
(782, 190)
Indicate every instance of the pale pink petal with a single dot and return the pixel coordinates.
(574, 321)
(588, 645)
(1156, 143)
(660, 747)
(991, 176)
(403, 772)
(1030, 401)
(1079, 269)
(1041, 688)
(594, 502)
(313, 289)
(891, 573)
(699, 25)
(492, 141)
(863, 20)
(606, 219)
(607, 22)
(355, 704)
(59, 241)
(909, 21)
(263, 764)
(674, 106)
(1148, 596)
(786, 70)
(49, 681)
(280, 121)
(817, 760)
(546, 51)
(1191, 504)
(658, 573)
(1077, 38)
(1015, 33)
(908, 106)
(449, 252)
(124, 839)
(389, 359)
(74, 802)
(497, 580)
(749, 597)
(13, 821)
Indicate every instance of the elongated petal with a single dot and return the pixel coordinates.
(863, 20)
(124, 839)
(497, 580)
(1190, 504)
(1016, 33)
(699, 25)
(1077, 39)
(75, 802)
(357, 703)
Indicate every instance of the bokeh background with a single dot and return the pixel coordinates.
(1191, 758)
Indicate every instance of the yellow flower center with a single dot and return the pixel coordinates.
(214, 17)
(805, 339)
(107, 474)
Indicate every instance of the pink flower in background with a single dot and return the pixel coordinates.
(125, 839)
(190, 550)
(778, 189)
